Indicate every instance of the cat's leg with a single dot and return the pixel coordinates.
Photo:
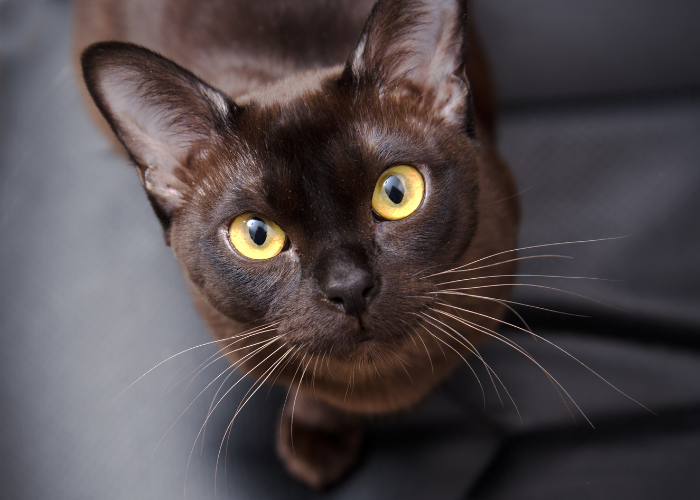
(321, 444)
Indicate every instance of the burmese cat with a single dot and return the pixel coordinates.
(316, 178)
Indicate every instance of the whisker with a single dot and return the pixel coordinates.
(167, 389)
(471, 349)
(272, 370)
(436, 342)
(520, 304)
(176, 355)
(401, 362)
(222, 354)
(424, 271)
(521, 350)
(289, 389)
(328, 365)
(291, 420)
(529, 248)
(504, 304)
(516, 259)
(352, 380)
(352, 373)
(246, 333)
(376, 369)
(530, 285)
(281, 371)
(233, 365)
(246, 397)
(313, 378)
(522, 276)
(516, 195)
(489, 370)
(411, 337)
(217, 391)
(565, 352)
(432, 370)
(201, 429)
(228, 369)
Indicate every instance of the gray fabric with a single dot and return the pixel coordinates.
(609, 170)
(90, 299)
(545, 49)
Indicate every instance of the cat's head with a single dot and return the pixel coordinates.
(318, 202)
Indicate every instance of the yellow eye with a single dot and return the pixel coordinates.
(398, 193)
(256, 236)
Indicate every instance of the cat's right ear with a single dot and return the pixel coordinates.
(162, 114)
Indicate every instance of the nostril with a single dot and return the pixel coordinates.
(347, 282)
(351, 296)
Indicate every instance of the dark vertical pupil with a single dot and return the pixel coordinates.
(257, 230)
(393, 187)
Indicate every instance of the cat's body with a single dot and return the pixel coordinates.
(301, 136)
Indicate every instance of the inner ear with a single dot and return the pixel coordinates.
(417, 48)
(161, 113)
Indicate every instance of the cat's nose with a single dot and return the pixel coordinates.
(350, 291)
(346, 279)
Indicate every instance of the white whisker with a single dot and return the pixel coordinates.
(238, 363)
(521, 350)
(516, 259)
(294, 403)
(401, 362)
(178, 354)
(432, 369)
(228, 369)
(246, 397)
(504, 301)
(529, 285)
(471, 349)
(527, 248)
(206, 362)
(521, 276)
(289, 389)
(201, 429)
(565, 352)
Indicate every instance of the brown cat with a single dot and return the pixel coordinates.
(316, 179)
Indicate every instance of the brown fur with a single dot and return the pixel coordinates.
(296, 116)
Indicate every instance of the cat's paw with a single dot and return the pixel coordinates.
(321, 445)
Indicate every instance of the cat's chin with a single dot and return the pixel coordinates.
(364, 337)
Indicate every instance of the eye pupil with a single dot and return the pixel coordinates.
(394, 189)
(257, 230)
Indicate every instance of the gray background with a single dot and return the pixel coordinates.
(600, 123)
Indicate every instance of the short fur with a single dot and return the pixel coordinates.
(295, 123)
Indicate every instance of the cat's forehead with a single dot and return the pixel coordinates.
(332, 129)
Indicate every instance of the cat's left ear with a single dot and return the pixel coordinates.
(163, 115)
(417, 48)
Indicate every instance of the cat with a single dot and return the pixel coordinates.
(321, 172)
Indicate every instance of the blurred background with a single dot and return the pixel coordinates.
(600, 121)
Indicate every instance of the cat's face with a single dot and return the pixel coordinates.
(303, 161)
(345, 275)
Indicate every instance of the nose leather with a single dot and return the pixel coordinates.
(350, 292)
(347, 281)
